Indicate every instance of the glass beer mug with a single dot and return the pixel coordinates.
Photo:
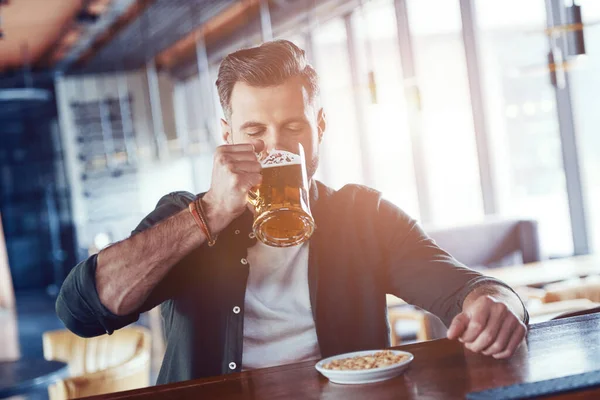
(283, 215)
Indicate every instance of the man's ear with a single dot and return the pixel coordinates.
(321, 124)
(226, 132)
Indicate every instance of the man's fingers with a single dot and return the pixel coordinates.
(237, 148)
(478, 321)
(231, 158)
(248, 151)
(497, 313)
(501, 342)
(517, 337)
(248, 180)
(458, 326)
(493, 329)
(246, 166)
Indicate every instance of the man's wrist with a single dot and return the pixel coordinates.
(217, 219)
(500, 293)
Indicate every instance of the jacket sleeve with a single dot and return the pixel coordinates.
(419, 271)
(78, 304)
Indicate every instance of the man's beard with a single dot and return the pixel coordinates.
(311, 166)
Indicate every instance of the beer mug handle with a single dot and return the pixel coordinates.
(252, 197)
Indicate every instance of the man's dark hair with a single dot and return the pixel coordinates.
(269, 64)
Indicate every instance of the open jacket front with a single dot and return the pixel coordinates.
(363, 247)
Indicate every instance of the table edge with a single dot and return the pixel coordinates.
(45, 380)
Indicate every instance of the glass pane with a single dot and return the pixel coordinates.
(340, 151)
(390, 151)
(215, 127)
(194, 108)
(585, 86)
(448, 134)
(522, 118)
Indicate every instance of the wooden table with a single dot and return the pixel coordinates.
(549, 271)
(442, 369)
(537, 274)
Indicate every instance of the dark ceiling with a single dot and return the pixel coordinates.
(163, 23)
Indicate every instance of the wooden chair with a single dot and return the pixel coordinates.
(99, 365)
(7, 293)
(407, 314)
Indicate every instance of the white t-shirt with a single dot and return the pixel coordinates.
(278, 323)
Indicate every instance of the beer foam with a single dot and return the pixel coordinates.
(280, 158)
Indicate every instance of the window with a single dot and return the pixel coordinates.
(585, 86)
(448, 135)
(340, 151)
(198, 127)
(522, 118)
(192, 105)
(387, 131)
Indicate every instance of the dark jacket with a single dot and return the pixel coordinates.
(363, 247)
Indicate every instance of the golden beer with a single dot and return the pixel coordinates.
(283, 215)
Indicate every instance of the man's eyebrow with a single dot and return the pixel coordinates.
(251, 124)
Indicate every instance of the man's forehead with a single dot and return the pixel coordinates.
(290, 94)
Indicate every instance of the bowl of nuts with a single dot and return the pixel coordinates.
(364, 366)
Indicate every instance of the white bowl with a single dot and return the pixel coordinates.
(353, 377)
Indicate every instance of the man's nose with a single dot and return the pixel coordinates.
(275, 140)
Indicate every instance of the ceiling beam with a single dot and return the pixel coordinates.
(217, 27)
(72, 31)
(69, 36)
(136, 9)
